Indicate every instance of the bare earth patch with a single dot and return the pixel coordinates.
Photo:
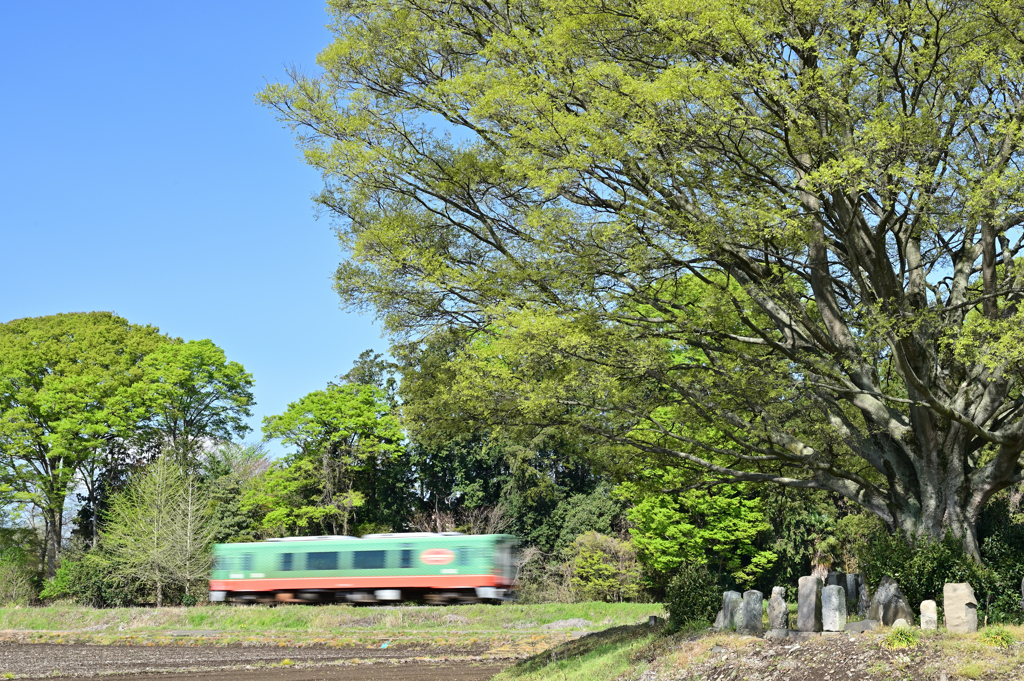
(232, 663)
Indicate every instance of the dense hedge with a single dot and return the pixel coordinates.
(693, 596)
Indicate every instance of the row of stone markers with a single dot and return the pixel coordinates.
(823, 607)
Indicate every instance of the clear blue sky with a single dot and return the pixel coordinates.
(137, 175)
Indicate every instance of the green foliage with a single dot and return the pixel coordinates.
(693, 596)
(189, 394)
(93, 579)
(900, 638)
(158, 530)
(652, 215)
(603, 568)
(580, 514)
(339, 432)
(812, 530)
(228, 472)
(59, 381)
(921, 567)
(718, 528)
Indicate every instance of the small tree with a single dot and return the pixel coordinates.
(159, 528)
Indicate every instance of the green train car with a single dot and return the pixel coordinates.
(436, 568)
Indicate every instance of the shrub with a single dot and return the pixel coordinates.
(17, 581)
(922, 567)
(541, 579)
(692, 597)
(93, 579)
(603, 568)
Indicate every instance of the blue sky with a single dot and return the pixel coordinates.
(139, 176)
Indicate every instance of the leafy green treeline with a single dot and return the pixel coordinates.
(86, 398)
(596, 521)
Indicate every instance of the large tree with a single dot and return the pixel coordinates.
(338, 432)
(190, 396)
(59, 378)
(797, 223)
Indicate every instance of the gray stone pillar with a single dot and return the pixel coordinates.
(729, 614)
(753, 613)
(778, 611)
(929, 615)
(851, 593)
(808, 608)
(836, 578)
(960, 607)
(833, 608)
(863, 596)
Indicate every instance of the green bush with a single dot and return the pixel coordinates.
(92, 579)
(603, 568)
(692, 597)
(1000, 637)
(922, 568)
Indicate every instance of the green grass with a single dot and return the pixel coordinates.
(598, 657)
(325, 619)
(899, 638)
(1000, 637)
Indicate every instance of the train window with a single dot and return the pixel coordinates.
(246, 562)
(223, 562)
(322, 560)
(286, 562)
(368, 560)
(463, 556)
(406, 558)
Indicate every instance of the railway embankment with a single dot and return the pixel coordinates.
(642, 653)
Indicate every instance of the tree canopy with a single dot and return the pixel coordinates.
(797, 224)
(338, 432)
(59, 377)
(86, 397)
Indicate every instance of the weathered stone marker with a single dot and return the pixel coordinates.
(863, 596)
(889, 604)
(836, 578)
(929, 615)
(960, 607)
(851, 592)
(833, 608)
(808, 607)
(753, 613)
(778, 611)
(728, 616)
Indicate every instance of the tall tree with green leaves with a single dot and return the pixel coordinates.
(191, 397)
(843, 177)
(59, 378)
(337, 432)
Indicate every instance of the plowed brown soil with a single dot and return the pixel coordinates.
(232, 663)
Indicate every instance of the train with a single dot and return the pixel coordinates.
(428, 567)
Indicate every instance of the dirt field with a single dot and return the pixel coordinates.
(233, 663)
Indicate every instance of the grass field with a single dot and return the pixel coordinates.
(327, 619)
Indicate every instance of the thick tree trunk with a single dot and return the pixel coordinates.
(52, 540)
